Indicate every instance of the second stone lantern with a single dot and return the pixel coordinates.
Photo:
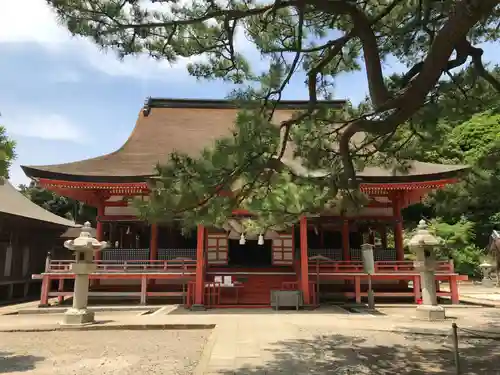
(84, 247)
(423, 244)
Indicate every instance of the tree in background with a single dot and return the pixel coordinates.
(458, 244)
(477, 143)
(311, 40)
(7, 153)
(466, 114)
(59, 205)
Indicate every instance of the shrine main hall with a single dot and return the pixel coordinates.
(220, 267)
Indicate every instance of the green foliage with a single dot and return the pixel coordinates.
(477, 143)
(188, 189)
(7, 152)
(406, 116)
(467, 132)
(478, 139)
(458, 244)
(467, 260)
(59, 205)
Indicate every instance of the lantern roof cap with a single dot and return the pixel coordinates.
(85, 241)
(423, 237)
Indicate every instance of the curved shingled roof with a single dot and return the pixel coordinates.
(188, 126)
(13, 202)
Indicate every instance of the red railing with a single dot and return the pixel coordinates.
(130, 266)
(330, 266)
(189, 266)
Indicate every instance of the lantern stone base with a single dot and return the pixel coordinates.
(78, 317)
(487, 283)
(430, 312)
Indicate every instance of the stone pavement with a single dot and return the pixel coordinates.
(472, 292)
(248, 338)
(480, 293)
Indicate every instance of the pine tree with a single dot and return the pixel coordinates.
(315, 40)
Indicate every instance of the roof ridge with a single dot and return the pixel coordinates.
(152, 102)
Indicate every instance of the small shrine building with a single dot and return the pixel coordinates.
(27, 233)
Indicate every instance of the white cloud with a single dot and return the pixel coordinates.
(17, 176)
(136, 66)
(32, 21)
(48, 127)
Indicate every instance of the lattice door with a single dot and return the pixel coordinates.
(283, 249)
(217, 248)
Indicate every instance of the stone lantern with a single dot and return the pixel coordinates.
(369, 267)
(486, 269)
(423, 244)
(84, 247)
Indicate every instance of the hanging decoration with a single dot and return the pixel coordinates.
(261, 240)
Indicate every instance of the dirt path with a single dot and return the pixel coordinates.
(101, 353)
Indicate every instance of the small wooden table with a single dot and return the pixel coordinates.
(214, 298)
(236, 287)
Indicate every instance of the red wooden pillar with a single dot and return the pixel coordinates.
(44, 295)
(346, 255)
(357, 289)
(99, 227)
(398, 227)
(199, 289)
(60, 289)
(304, 261)
(455, 297)
(416, 288)
(153, 247)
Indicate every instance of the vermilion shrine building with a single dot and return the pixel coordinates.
(319, 256)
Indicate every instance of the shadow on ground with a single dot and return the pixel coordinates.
(342, 355)
(493, 317)
(17, 363)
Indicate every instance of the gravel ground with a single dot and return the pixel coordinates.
(102, 352)
(356, 352)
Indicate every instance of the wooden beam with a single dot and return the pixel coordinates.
(119, 218)
(122, 203)
(374, 187)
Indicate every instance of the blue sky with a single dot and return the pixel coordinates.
(62, 99)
